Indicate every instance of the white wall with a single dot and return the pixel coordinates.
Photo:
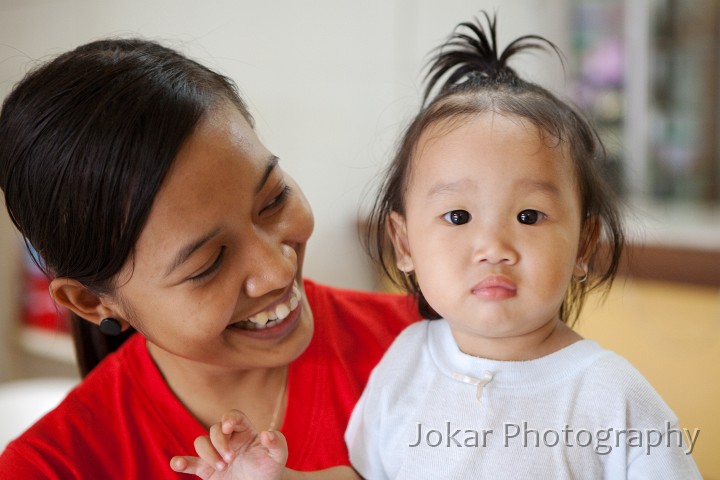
(329, 82)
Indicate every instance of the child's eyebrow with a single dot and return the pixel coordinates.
(538, 185)
(443, 188)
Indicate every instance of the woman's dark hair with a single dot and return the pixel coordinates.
(85, 143)
(478, 80)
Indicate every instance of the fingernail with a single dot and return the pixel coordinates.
(220, 466)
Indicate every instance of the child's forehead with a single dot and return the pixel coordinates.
(492, 142)
(485, 133)
(491, 121)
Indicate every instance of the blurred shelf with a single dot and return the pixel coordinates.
(673, 242)
(685, 226)
(48, 344)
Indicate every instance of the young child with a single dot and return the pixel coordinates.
(501, 223)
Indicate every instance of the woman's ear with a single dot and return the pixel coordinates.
(397, 231)
(76, 297)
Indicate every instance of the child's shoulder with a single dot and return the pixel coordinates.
(408, 349)
(410, 339)
(615, 369)
(613, 380)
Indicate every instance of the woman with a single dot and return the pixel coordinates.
(176, 240)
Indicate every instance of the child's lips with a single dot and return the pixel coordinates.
(495, 288)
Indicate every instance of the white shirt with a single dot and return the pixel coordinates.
(431, 411)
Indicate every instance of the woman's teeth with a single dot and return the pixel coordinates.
(273, 316)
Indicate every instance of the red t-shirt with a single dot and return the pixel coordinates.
(123, 421)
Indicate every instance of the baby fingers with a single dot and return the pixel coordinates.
(276, 445)
(209, 453)
(193, 466)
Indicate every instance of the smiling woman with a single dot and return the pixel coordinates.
(225, 208)
(157, 212)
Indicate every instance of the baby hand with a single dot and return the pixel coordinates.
(234, 450)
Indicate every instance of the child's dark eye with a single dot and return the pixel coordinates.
(530, 217)
(457, 217)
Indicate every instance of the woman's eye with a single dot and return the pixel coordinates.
(211, 269)
(278, 200)
(457, 217)
(530, 217)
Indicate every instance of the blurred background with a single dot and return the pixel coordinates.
(332, 84)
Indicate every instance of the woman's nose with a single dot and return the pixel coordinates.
(272, 265)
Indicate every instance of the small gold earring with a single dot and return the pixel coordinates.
(583, 278)
(584, 269)
(406, 271)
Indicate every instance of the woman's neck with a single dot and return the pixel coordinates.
(208, 392)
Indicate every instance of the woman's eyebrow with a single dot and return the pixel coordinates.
(271, 164)
(186, 251)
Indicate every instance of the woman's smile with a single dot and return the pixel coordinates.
(275, 314)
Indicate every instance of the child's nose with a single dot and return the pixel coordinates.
(494, 246)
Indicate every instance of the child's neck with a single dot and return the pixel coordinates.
(544, 341)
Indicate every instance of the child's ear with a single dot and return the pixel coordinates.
(76, 297)
(397, 231)
(589, 242)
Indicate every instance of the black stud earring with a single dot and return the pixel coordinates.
(109, 326)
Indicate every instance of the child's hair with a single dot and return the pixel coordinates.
(86, 141)
(480, 81)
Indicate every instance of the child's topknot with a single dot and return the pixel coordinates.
(471, 57)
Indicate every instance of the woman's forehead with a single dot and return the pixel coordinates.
(215, 175)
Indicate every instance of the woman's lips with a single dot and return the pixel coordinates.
(273, 331)
(495, 288)
(274, 315)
